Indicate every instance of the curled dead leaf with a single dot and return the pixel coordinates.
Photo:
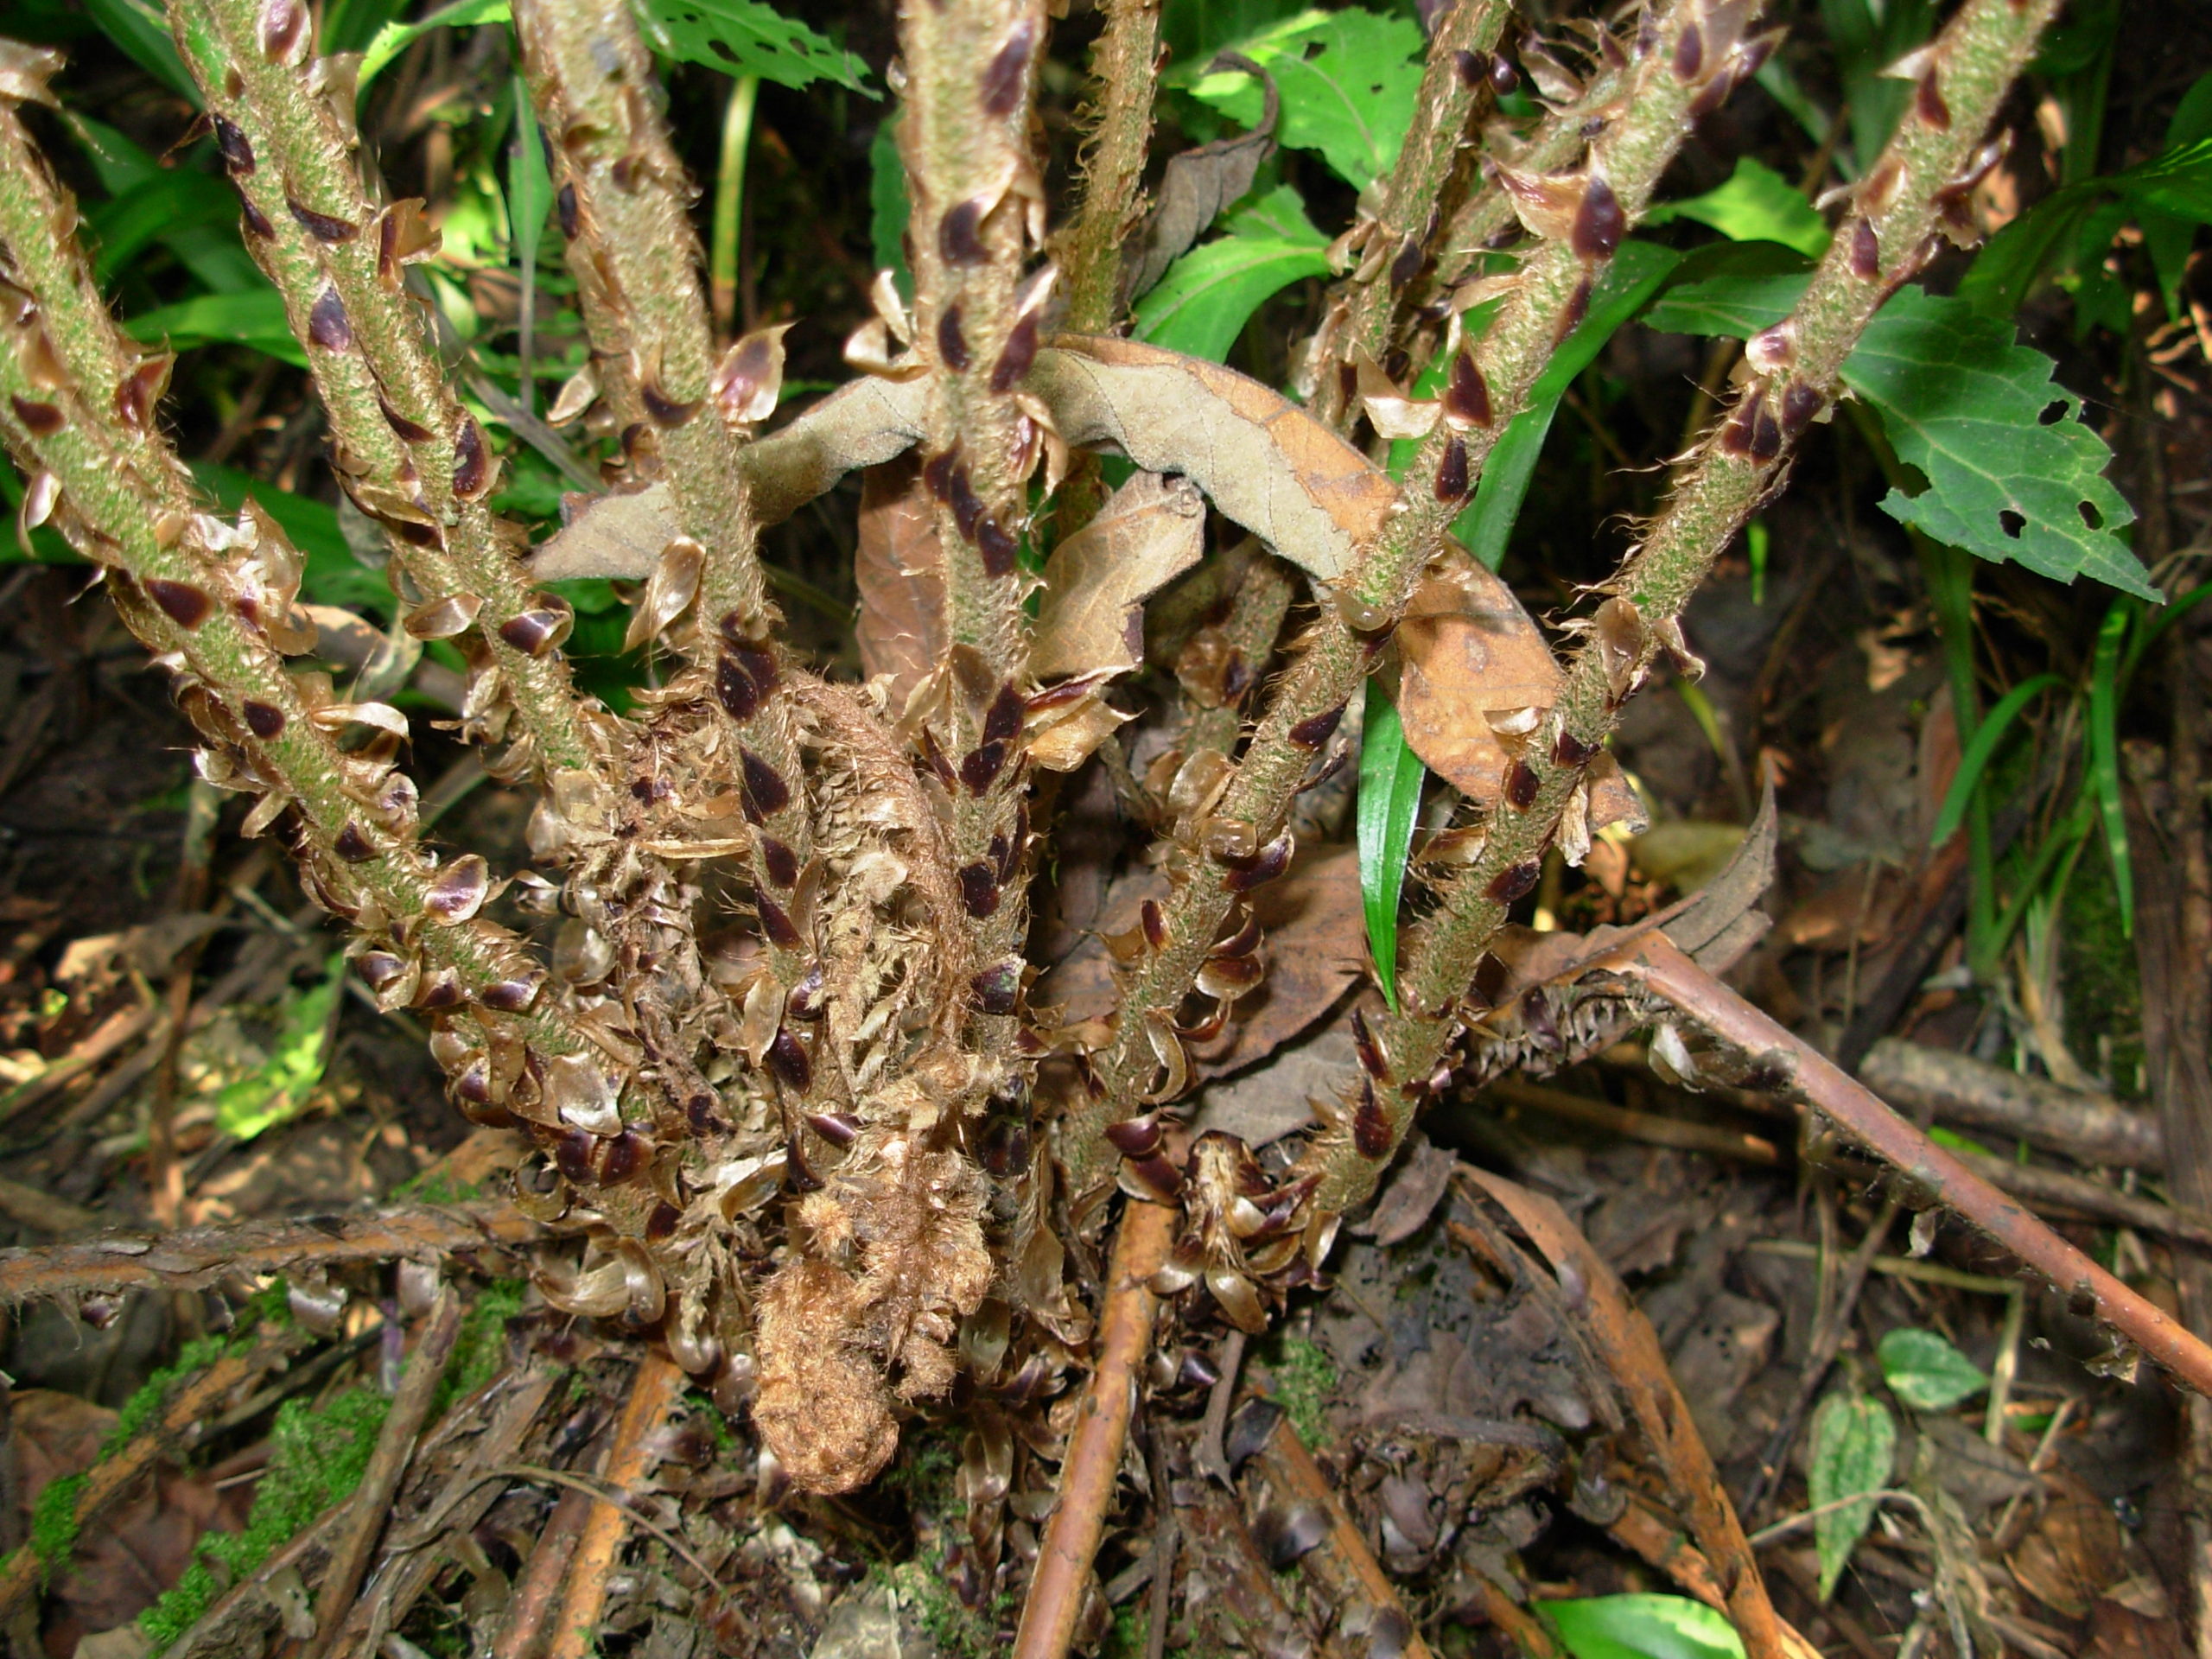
(899, 568)
(1150, 531)
(1476, 668)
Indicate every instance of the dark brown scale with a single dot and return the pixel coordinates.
(1237, 677)
(980, 767)
(1010, 854)
(979, 890)
(441, 990)
(40, 420)
(1568, 750)
(1453, 478)
(699, 1112)
(1002, 721)
(967, 505)
(1369, 1048)
(1503, 76)
(660, 1226)
(780, 864)
(322, 226)
(937, 473)
(951, 343)
(572, 1156)
(528, 631)
(1009, 72)
(997, 548)
(734, 691)
(798, 1174)
(792, 1065)
(1311, 733)
(1017, 355)
(1135, 1137)
(1578, 306)
(1522, 784)
(1736, 435)
(185, 605)
(959, 235)
(1466, 394)
(1406, 263)
(234, 83)
(776, 924)
(1261, 868)
(1800, 403)
(327, 326)
(411, 431)
(757, 660)
(1473, 68)
(1928, 103)
(623, 1158)
(571, 217)
(261, 719)
(1689, 54)
(763, 785)
(2081, 1301)
(1347, 381)
(665, 410)
(1865, 252)
(510, 995)
(1600, 224)
(282, 24)
(1153, 920)
(379, 969)
(1515, 881)
(1001, 852)
(997, 989)
(237, 149)
(805, 1000)
(1766, 435)
(1370, 1124)
(473, 1086)
(257, 222)
(471, 462)
(838, 1128)
(353, 845)
(935, 757)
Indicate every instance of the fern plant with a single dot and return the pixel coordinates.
(833, 1169)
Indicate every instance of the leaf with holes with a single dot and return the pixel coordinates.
(744, 37)
(2013, 472)
(1854, 1451)
(1925, 1371)
(1348, 81)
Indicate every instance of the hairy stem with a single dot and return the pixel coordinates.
(1124, 70)
(1898, 215)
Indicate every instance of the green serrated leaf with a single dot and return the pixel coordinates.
(1641, 1627)
(255, 318)
(1207, 296)
(1756, 205)
(1193, 30)
(1925, 1371)
(1348, 81)
(395, 38)
(1854, 1452)
(260, 1102)
(745, 37)
(2013, 474)
(1390, 777)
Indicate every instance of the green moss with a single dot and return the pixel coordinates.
(925, 1471)
(480, 1347)
(436, 1185)
(2104, 997)
(1304, 1376)
(315, 1458)
(54, 1525)
(959, 1631)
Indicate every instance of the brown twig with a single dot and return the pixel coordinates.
(410, 1406)
(1094, 1458)
(654, 1391)
(1653, 1129)
(1959, 1089)
(1520, 1626)
(202, 1256)
(1349, 1568)
(1862, 1116)
(531, 1604)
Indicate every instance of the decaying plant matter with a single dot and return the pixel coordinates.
(833, 1170)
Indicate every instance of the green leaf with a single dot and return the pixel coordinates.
(277, 1090)
(1635, 274)
(154, 211)
(1193, 30)
(1348, 81)
(745, 37)
(1925, 1371)
(2103, 755)
(1207, 296)
(1854, 1450)
(254, 318)
(1642, 1627)
(2013, 472)
(888, 204)
(1979, 752)
(143, 34)
(1390, 777)
(395, 38)
(1756, 205)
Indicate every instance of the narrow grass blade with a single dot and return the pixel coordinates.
(2104, 755)
(1981, 750)
(1391, 776)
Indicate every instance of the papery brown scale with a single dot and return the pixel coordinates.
(1466, 394)
(534, 633)
(952, 341)
(980, 767)
(979, 890)
(1568, 750)
(322, 226)
(1599, 223)
(1369, 1048)
(1002, 721)
(664, 410)
(328, 324)
(792, 1066)
(283, 28)
(257, 222)
(1135, 1137)
(1406, 263)
(379, 969)
(1521, 784)
(1263, 867)
(411, 431)
(564, 202)
(776, 924)
(967, 505)
(1017, 844)
(1153, 1179)
(572, 1155)
(1311, 733)
(472, 461)
(1154, 921)
(763, 786)
(182, 603)
(236, 148)
(660, 1226)
(838, 1128)
(1007, 72)
(1928, 103)
(1865, 252)
(1371, 1125)
(265, 721)
(1473, 68)
(1576, 309)
(440, 990)
(139, 392)
(937, 474)
(1453, 480)
(1228, 978)
(41, 420)
(352, 844)
(1735, 434)
(959, 235)
(1800, 403)
(513, 994)
(997, 989)
(1017, 355)
(459, 891)
(1515, 881)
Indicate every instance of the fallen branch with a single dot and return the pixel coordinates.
(198, 1258)
(1348, 1568)
(1653, 1129)
(1959, 1089)
(654, 1391)
(1094, 1459)
(1940, 1176)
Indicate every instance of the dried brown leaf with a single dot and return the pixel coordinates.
(1470, 653)
(900, 567)
(1150, 531)
(1197, 185)
(617, 535)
